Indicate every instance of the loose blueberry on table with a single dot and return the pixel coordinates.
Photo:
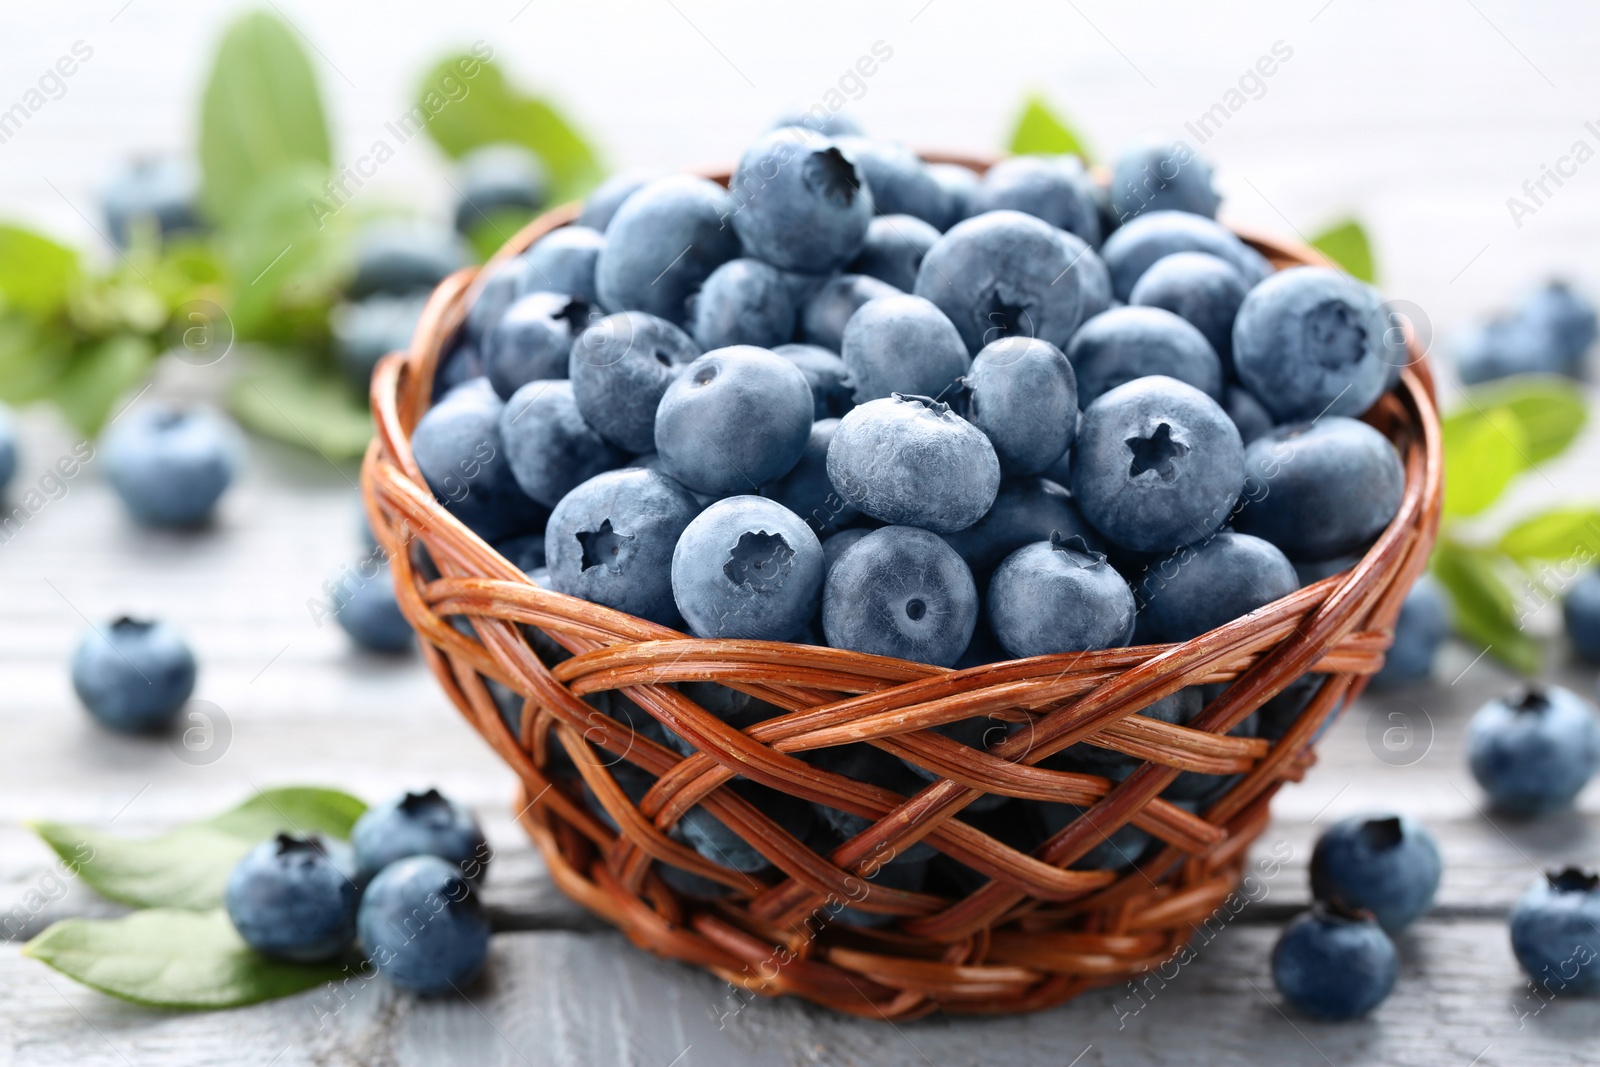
(1534, 749)
(1334, 963)
(134, 675)
(1387, 864)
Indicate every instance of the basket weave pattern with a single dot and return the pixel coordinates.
(1037, 933)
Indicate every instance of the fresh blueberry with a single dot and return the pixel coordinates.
(1311, 573)
(899, 182)
(1204, 585)
(1334, 964)
(1580, 610)
(1134, 248)
(894, 249)
(1052, 596)
(1162, 176)
(1115, 851)
(835, 545)
(620, 368)
(1003, 274)
(602, 204)
(1202, 289)
(365, 332)
(1023, 394)
(134, 675)
(733, 420)
(171, 465)
(458, 446)
(1322, 489)
(1024, 511)
(829, 378)
(819, 119)
(525, 552)
(902, 344)
(291, 899)
(899, 873)
(747, 567)
(8, 449)
(1312, 341)
(826, 311)
(563, 261)
(396, 256)
(370, 613)
(1385, 864)
(713, 839)
(1534, 749)
(419, 824)
(663, 243)
(744, 302)
(1157, 464)
(911, 461)
(610, 541)
(861, 762)
(1276, 716)
(548, 445)
(423, 926)
(806, 490)
(1125, 343)
(1249, 417)
(1504, 347)
(1553, 931)
(1053, 188)
(533, 340)
(497, 180)
(901, 592)
(1421, 628)
(960, 185)
(1094, 279)
(1568, 318)
(800, 202)
(160, 191)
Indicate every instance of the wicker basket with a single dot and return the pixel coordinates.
(1032, 932)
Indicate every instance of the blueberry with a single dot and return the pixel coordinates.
(1052, 596)
(291, 900)
(1025, 510)
(1310, 573)
(1249, 417)
(1276, 716)
(800, 202)
(548, 445)
(1204, 585)
(831, 391)
(1155, 234)
(497, 180)
(1094, 279)
(1053, 188)
(419, 824)
(834, 545)
(1115, 851)
(1311, 341)
(1125, 343)
(861, 762)
(563, 261)
(744, 302)
(365, 332)
(1534, 749)
(1322, 489)
(902, 344)
(734, 419)
(819, 119)
(370, 613)
(8, 449)
(1420, 629)
(1553, 931)
(1003, 274)
(825, 311)
(524, 552)
(713, 839)
(1203, 289)
(1580, 610)
(664, 241)
(171, 465)
(396, 256)
(1157, 464)
(160, 191)
(901, 592)
(602, 204)
(620, 368)
(1162, 176)
(533, 340)
(907, 875)
(911, 461)
(134, 675)
(899, 182)
(1385, 864)
(1334, 964)
(458, 446)
(1505, 347)
(806, 490)
(960, 185)
(1023, 394)
(1568, 318)
(423, 926)
(747, 567)
(610, 541)
(894, 249)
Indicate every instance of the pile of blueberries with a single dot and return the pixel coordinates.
(404, 889)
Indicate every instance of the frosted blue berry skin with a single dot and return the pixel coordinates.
(1580, 610)
(8, 449)
(458, 446)
(170, 465)
(819, 119)
(433, 956)
(1534, 749)
(549, 446)
(1134, 247)
(826, 308)
(424, 823)
(1249, 417)
(802, 202)
(1053, 188)
(1422, 626)
(1204, 585)
(1568, 317)
(806, 490)
(498, 178)
(1552, 931)
(370, 614)
(901, 592)
(1162, 176)
(747, 567)
(563, 261)
(1334, 965)
(831, 391)
(1125, 343)
(401, 256)
(1023, 394)
(1051, 596)
(960, 185)
(601, 205)
(1203, 289)
(532, 340)
(744, 302)
(899, 181)
(1024, 511)
(1386, 864)
(894, 249)
(662, 244)
(133, 675)
(902, 344)
(292, 898)
(620, 368)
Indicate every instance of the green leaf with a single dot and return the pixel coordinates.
(36, 273)
(97, 377)
(466, 103)
(1346, 244)
(1485, 610)
(1040, 131)
(1481, 456)
(32, 359)
(292, 400)
(260, 112)
(1558, 534)
(188, 867)
(171, 958)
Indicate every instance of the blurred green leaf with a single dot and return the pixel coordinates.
(292, 399)
(492, 110)
(36, 273)
(98, 376)
(1347, 245)
(32, 358)
(1485, 610)
(260, 112)
(1482, 454)
(1040, 131)
(1559, 534)
(495, 229)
